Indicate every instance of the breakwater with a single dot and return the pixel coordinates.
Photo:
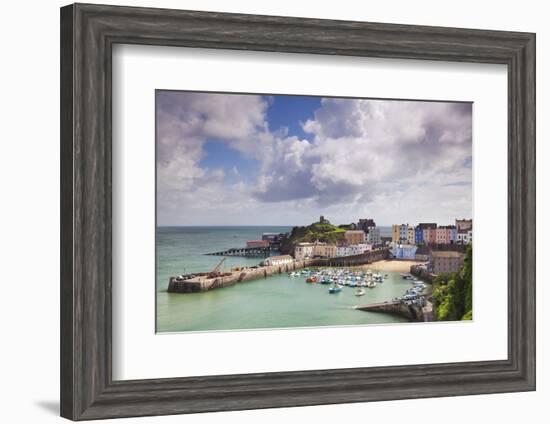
(411, 312)
(202, 282)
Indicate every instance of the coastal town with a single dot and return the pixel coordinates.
(285, 217)
(361, 257)
(440, 248)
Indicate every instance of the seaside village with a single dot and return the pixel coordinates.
(439, 248)
(425, 251)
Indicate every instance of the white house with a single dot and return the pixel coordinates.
(352, 250)
(373, 236)
(303, 251)
(464, 236)
(343, 251)
(278, 260)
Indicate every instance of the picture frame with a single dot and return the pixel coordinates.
(88, 33)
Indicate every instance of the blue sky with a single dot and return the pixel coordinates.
(218, 155)
(284, 113)
(233, 159)
(290, 112)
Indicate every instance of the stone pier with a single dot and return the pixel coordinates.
(410, 312)
(201, 282)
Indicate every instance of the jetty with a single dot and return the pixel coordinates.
(244, 251)
(208, 281)
(409, 311)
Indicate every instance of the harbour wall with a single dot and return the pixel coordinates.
(364, 258)
(422, 273)
(410, 312)
(202, 283)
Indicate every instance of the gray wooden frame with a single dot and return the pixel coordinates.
(88, 33)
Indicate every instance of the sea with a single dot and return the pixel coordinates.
(278, 301)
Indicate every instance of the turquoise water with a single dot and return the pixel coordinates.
(275, 302)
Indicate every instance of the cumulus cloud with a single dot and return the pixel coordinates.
(364, 147)
(185, 122)
(364, 157)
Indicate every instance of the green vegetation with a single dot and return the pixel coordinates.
(327, 233)
(452, 294)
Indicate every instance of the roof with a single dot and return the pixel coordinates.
(447, 254)
(307, 243)
(280, 257)
(426, 225)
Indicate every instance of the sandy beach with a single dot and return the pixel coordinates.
(391, 265)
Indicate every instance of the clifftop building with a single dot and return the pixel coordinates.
(355, 237)
(314, 250)
(446, 261)
(463, 224)
(369, 227)
(373, 236)
(464, 237)
(365, 224)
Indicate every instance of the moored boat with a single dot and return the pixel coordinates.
(335, 289)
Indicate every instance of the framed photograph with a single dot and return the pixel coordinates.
(264, 212)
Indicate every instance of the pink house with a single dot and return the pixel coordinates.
(429, 235)
(441, 235)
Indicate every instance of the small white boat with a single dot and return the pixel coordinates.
(359, 292)
(335, 289)
(372, 285)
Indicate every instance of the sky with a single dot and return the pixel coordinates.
(241, 159)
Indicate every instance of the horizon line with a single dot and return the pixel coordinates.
(249, 225)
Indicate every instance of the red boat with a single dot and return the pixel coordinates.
(311, 280)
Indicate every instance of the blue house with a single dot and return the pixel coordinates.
(418, 235)
(403, 251)
(419, 231)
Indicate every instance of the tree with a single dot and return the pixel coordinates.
(452, 294)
